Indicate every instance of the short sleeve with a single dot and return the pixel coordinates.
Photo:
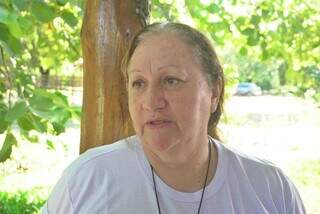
(292, 199)
(59, 200)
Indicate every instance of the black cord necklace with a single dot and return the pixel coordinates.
(204, 185)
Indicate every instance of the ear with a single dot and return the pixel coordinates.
(216, 91)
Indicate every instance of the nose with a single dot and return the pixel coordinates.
(154, 99)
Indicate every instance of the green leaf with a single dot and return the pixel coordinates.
(3, 123)
(248, 31)
(6, 149)
(38, 124)
(265, 13)
(62, 2)
(50, 144)
(26, 123)
(243, 51)
(44, 114)
(2, 86)
(17, 111)
(76, 112)
(4, 35)
(4, 13)
(69, 18)
(240, 21)
(14, 45)
(42, 103)
(60, 115)
(214, 8)
(60, 99)
(58, 128)
(42, 11)
(32, 138)
(265, 55)
(255, 20)
(21, 4)
(297, 27)
(253, 40)
(25, 24)
(14, 29)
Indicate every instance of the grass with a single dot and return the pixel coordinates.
(306, 176)
(27, 177)
(22, 202)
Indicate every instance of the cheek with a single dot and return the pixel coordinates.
(133, 104)
(182, 107)
(193, 109)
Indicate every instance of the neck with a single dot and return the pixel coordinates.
(184, 172)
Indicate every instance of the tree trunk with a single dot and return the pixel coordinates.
(107, 30)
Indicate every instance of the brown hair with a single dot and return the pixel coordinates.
(203, 51)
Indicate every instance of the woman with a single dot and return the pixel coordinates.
(175, 95)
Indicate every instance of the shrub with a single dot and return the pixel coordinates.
(22, 202)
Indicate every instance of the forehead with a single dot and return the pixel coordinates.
(162, 48)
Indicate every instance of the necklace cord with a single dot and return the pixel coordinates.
(155, 189)
(205, 181)
(204, 185)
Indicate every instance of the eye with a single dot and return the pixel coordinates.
(137, 84)
(171, 81)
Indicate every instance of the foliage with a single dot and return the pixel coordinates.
(22, 202)
(277, 38)
(36, 37)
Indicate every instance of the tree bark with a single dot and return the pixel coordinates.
(108, 27)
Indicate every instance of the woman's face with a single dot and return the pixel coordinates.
(169, 98)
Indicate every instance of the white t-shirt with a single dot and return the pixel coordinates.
(116, 179)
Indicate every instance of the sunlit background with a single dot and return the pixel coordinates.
(272, 43)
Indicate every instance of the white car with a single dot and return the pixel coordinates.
(248, 89)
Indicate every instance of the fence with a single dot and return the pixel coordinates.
(70, 85)
(59, 82)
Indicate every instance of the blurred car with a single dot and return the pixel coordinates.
(248, 89)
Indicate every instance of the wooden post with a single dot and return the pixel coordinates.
(108, 27)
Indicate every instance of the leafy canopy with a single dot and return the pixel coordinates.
(35, 35)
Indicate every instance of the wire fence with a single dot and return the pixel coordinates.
(59, 82)
(69, 85)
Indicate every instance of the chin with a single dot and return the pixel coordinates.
(159, 144)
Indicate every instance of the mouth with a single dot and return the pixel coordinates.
(156, 124)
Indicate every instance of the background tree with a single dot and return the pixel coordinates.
(35, 37)
(108, 28)
(269, 38)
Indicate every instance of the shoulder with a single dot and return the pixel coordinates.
(105, 156)
(245, 162)
(94, 173)
(123, 149)
(256, 176)
(256, 171)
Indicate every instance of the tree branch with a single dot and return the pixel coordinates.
(6, 72)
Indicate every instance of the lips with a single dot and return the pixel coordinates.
(158, 123)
